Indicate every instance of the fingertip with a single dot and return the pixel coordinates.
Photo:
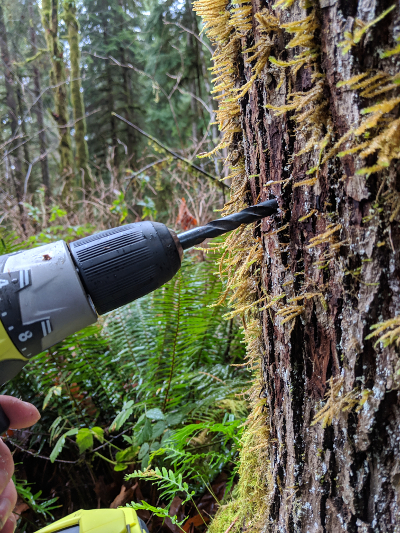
(33, 411)
(6, 466)
(13, 519)
(10, 525)
(21, 414)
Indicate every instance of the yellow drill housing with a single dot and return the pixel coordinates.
(123, 520)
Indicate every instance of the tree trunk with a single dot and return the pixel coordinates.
(324, 448)
(14, 147)
(127, 87)
(110, 97)
(59, 81)
(78, 106)
(22, 113)
(39, 112)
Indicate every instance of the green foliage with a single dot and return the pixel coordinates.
(162, 512)
(34, 501)
(200, 460)
(84, 437)
(9, 242)
(157, 370)
(168, 483)
(60, 443)
(119, 207)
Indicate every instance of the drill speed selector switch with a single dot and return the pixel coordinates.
(42, 301)
(26, 337)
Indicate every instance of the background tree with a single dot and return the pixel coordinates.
(309, 108)
(145, 62)
(14, 162)
(82, 152)
(39, 105)
(50, 14)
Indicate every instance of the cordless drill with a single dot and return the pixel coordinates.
(55, 290)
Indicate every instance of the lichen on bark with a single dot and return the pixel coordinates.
(309, 108)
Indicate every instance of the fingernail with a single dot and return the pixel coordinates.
(5, 511)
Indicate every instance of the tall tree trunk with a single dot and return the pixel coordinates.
(310, 112)
(110, 97)
(22, 111)
(58, 80)
(39, 112)
(129, 109)
(129, 114)
(82, 153)
(14, 148)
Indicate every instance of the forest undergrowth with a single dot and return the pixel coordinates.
(149, 393)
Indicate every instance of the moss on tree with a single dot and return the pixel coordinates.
(58, 78)
(82, 153)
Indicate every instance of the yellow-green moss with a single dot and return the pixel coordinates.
(377, 134)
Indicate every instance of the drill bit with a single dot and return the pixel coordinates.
(223, 225)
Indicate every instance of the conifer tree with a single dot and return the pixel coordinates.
(82, 153)
(59, 82)
(39, 109)
(15, 169)
(309, 108)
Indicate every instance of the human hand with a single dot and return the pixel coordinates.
(21, 415)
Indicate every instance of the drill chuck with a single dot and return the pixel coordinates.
(120, 265)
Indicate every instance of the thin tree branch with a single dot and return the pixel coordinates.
(68, 125)
(209, 110)
(167, 22)
(174, 154)
(133, 176)
(156, 84)
(40, 456)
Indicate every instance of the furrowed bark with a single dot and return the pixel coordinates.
(345, 477)
(330, 262)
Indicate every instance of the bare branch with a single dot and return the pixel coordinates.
(168, 23)
(135, 174)
(174, 154)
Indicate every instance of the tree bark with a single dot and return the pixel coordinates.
(22, 113)
(39, 113)
(59, 81)
(329, 262)
(127, 88)
(14, 148)
(78, 106)
(110, 98)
